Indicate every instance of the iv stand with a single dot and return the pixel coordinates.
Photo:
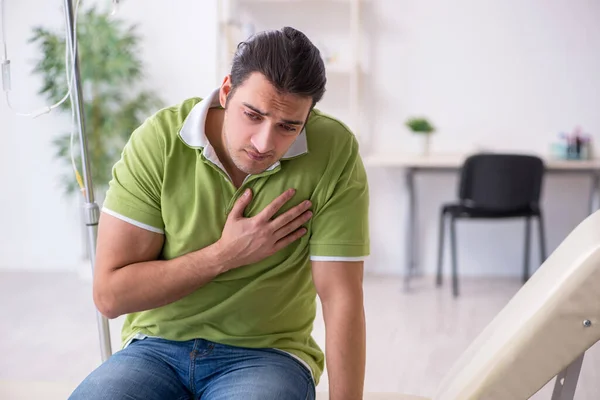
(91, 209)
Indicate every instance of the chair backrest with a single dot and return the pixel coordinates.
(501, 182)
(540, 331)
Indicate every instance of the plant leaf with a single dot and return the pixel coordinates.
(111, 80)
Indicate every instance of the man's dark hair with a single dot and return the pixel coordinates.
(286, 57)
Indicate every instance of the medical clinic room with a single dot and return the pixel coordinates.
(300, 199)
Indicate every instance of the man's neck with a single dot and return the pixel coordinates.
(214, 132)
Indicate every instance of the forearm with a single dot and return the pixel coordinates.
(147, 285)
(345, 347)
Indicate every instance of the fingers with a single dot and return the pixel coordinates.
(292, 225)
(240, 205)
(290, 215)
(287, 240)
(270, 210)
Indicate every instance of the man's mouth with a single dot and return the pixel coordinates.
(257, 156)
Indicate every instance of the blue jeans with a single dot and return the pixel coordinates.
(159, 369)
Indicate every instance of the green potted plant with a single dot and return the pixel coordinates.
(423, 127)
(113, 101)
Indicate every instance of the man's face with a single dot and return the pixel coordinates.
(260, 123)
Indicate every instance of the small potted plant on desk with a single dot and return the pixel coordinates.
(424, 128)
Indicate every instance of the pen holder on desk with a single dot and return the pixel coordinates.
(576, 147)
(558, 151)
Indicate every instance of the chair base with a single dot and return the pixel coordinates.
(451, 213)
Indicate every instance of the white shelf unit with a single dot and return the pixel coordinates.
(240, 18)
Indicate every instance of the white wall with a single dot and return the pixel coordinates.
(40, 228)
(505, 75)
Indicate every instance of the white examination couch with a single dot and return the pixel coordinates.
(542, 332)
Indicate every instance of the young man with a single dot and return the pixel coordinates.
(225, 218)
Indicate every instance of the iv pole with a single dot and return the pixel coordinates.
(91, 209)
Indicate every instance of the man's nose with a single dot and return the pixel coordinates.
(263, 140)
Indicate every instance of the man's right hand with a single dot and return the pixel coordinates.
(245, 241)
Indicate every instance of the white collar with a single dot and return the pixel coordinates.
(193, 130)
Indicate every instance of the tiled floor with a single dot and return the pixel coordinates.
(49, 338)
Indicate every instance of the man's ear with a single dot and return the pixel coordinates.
(225, 91)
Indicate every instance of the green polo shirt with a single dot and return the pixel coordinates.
(169, 180)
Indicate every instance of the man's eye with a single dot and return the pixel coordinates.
(288, 128)
(252, 116)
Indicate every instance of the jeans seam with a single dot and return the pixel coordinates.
(193, 355)
(308, 391)
(307, 372)
(308, 378)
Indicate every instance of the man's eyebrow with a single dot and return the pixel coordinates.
(266, 114)
(256, 110)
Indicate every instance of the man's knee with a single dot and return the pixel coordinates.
(127, 376)
(103, 383)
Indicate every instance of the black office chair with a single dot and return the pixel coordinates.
(494, 186)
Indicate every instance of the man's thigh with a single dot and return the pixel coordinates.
(137, 372)
(260, 375)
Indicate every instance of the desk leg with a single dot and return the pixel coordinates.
(594, 195)
(411, 229)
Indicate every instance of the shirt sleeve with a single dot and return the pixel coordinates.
(134, 193)
(340, 227)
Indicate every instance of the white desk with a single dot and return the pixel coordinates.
(453, 163)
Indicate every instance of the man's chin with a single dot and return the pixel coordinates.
(253, 169)
(256, 171)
